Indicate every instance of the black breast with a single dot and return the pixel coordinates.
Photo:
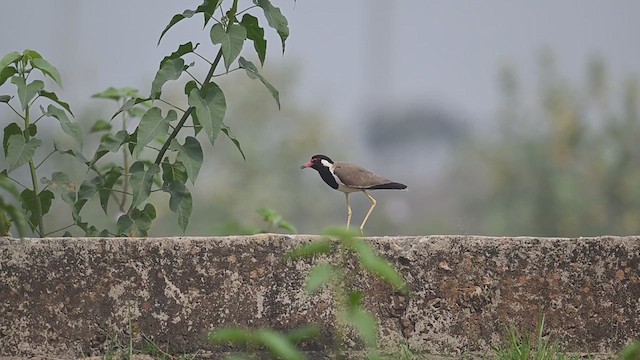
(327, 176)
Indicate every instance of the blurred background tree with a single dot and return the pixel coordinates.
(563, 161)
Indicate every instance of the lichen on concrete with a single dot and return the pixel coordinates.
(69, 297)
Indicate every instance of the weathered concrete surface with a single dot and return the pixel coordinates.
(69, 297)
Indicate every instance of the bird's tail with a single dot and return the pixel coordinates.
(389, 186)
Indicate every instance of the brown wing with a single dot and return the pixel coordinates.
(357, 177)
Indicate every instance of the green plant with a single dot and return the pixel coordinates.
(350, 311)
(281, 346)
(275, 220)
(21, 139)
(631, 351)
(146, 168)
(530, 346)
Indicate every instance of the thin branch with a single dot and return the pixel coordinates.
(194, 78)
(38, 119)
(203, 58)
(227, 72)
(55, 231)
(16, 181)
(45, 159)
(17, 113)
(247, 9)
(187, 113)
(170, 104)
(118, 191)
(34, 100)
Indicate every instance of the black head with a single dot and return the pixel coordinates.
(317, 163)
(321, 164)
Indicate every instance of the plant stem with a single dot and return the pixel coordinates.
(126, 166)
(187, 113)
(34, 177)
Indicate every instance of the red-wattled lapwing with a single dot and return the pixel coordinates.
(350, 178)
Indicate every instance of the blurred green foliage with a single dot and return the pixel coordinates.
(564, 162)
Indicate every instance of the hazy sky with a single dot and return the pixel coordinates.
(349, 52)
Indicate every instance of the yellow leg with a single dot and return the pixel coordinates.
(348, 210)
(373, 204)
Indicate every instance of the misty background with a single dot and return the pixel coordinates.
(503, 118)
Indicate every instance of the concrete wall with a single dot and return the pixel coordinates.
(69, 297)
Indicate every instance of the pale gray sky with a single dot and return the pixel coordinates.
(349, 52)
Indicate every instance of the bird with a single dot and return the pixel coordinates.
(349, 178)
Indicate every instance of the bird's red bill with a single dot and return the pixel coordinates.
(309, 164)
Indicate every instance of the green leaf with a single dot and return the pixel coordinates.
(283, 224)
(100, 125)
(132, 139)
(109, 142)
(6, 73)
(29, 203)
(117, 94)
(110, 179)
(175, 172)
(341, 233)
(364, 323)
(304, 333)
(252, 72)
(208, 8)
(190, 154)
(47, 69)
(11, 129)
(142, 221)
(279, 345)
(183, 49)
(7, 185)
(26, 92)
(151, 126)
(141, 182)
(227, 131)
(377, 266)
(139, 111)
(76, 154)
(8, 59)
(69, 128)
(53, 97)
(125, 225)
(150, 210)
(631, 351)
(275, 19)
(128, 105)
(20, 152)
(87, 190)
(323, 246)
(61, 184)
(210, 107)
(234, 335)
(180, 203)
(318, 276)
(231, 41)
(169, 70)
(16, 215)
(256, 34)
(176, 19)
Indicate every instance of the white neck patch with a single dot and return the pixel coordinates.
(327, 164)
